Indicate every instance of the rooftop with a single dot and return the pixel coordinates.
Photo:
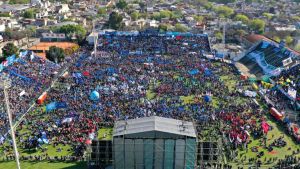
(154, 123)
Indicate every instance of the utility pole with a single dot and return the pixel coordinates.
(94, 33)
(5, 84)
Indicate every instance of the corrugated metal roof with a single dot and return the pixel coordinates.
(154, 123)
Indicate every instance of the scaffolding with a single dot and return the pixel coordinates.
(209, 145)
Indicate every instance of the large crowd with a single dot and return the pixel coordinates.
(29, 76)
(132, 77)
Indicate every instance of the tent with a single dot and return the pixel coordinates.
(94, 96)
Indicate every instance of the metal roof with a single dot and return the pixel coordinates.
(154, 123)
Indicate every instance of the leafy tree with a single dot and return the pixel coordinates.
(258, 25)
(115, 21)
(198, 18)
(219, 35)
(180, 28)
(134, 16)
(70, 30)
(10, 49)
(156, 16)
(29, 14)
(122, 4)
(269, 16)
(163, 27)
(165, 14)
(243, 18)
(102, 11)
(224, 11)
(276, 38)
(288, 40)
(176, 14)
(55, 54)
(208, 6)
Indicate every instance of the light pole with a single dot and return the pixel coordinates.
(5, 83)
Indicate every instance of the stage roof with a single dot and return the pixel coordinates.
(154, 124)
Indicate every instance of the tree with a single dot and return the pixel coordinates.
(29, 14)
(276, 38)
(134, 16)
(269, 16)
(219, 36)
(224, 11)
(180, 28)
(10, 49)
(198, 18)
(163, 27)
(243, 18)
(288, 40)
(115, 21)
(122, 4)
(208, 6)
(102, 11)
(165, 14)
(258, 25)
(70, 30)
(55, 54)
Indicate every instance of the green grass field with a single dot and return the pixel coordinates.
(43, 165)
(105, 131)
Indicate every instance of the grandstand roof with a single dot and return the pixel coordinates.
(255, 38)
(154, 123)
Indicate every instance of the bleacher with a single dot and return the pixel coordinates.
(266, 57)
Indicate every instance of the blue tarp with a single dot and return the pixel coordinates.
(55, 105)
(194, 72)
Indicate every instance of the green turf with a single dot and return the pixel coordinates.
(108, 132)
(43, 165)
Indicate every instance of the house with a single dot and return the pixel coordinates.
(53, 37)
(63, 8)
(152, 23)
(2, 26)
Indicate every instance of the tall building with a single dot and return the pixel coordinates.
(154, 143)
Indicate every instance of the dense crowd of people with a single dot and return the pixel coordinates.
(29, 76)
(130, 77)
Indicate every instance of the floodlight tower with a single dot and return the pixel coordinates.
(5, 83)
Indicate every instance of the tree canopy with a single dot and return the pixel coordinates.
(29, 14)
(241, 17)
(258, 25)
(55, 54)
(10, 49)
(180, 28)
(122, 4)
(114, 21)
(135, 15)
(70, 30)
(224, 11)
